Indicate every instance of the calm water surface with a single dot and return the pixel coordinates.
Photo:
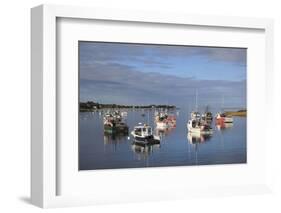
(177, 148)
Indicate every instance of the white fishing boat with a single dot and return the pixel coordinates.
(223, 118)
(143, 134)
(197, 127)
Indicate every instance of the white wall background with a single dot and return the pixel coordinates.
(15, 98)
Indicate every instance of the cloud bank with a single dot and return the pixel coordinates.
(151, 74)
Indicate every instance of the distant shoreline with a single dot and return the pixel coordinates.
(90, 106)
(241, 113)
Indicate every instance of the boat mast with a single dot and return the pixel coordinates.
(222, 103)
(196, 104)
(148, 118)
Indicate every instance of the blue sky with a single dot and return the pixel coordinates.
(162, 74)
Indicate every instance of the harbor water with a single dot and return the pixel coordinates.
(97, 150)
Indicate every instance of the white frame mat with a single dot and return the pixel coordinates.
(44, 104)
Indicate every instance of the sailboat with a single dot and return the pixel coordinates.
(196, 124)
(195, 114)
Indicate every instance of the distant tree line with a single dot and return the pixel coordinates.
(91, 106)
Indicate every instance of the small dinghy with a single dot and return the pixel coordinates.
(143, 135)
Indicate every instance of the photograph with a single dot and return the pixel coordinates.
(161, 105)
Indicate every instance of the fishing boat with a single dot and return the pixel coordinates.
(223, 118)
(198, 127)
(143, 135)
(164, 120)
(113, 123)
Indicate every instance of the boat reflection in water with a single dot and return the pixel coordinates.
(195, 140)
(163, 132)
(113, 141)
(116, 138)
(142, 152)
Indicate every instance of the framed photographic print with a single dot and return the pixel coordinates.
(151, 105)
(147, 105)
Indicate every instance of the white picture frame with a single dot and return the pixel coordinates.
(44, 154)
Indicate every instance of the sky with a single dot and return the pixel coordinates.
(142, 74)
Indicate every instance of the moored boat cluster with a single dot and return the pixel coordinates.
(143, 134)
(201, 123)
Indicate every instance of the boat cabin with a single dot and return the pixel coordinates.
(143, 131)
